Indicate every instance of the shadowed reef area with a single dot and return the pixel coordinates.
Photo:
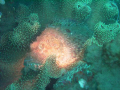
(59, 45)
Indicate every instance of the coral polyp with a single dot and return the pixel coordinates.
(110, 11)
(81, 11)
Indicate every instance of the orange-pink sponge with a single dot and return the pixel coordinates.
(52, 42)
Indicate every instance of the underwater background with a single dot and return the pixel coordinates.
(59, 45)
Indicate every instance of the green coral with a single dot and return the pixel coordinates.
(110, 10)
(105, 33)
(81, 11)
(17, 41)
